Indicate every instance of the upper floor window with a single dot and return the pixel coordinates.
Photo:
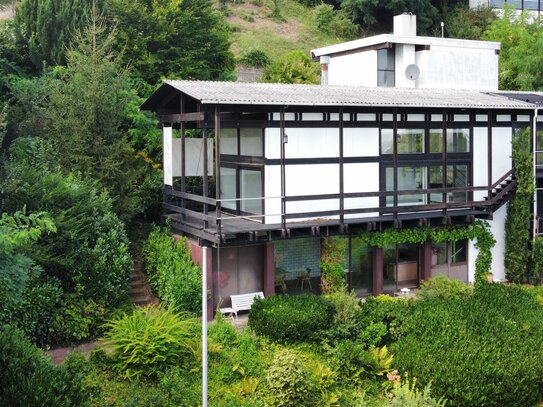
(385, 67)
(457, 141)
(409, 141)
(242, 141)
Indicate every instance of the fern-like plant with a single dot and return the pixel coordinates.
(151, 339)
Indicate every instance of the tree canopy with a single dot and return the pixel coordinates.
(185, 39)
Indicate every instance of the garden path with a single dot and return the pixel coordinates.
(140, 294)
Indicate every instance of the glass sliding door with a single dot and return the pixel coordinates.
(400, 267)
(250, 185)
(360, 276)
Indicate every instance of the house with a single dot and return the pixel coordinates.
(403, 59)
(533, 7)
(277, 167)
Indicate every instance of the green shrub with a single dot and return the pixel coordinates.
(29, 378)
(289, 380)
(150, 340)
(294, 67)
(405, 394)
(356, 364)
(443, 287)
(172, 274)
(287, 318)
(484, 349)
(90, 248)
(76, 320)
(537, 253)
(347, 316)
(255, 57)
(388, 311)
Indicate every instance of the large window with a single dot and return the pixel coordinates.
(409, 141)
(248, 142)
(385, 67)
(457, 141)
(241, 190)
(409, 178)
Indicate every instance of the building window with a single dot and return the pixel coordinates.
(457, 141)
(409, 141)
(451, 252)
(409, 178)
(247, 142)
(385, 67)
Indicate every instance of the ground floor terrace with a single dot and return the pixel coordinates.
(293, 266)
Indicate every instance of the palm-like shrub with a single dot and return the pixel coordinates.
(151, 339)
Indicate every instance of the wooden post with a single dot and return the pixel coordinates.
(377, 260)
(269, 269)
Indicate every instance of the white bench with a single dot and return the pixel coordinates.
(242, 302)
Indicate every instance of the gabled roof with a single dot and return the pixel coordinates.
(402, 39)
(270, 94)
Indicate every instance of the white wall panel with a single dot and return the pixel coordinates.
(312, 143)
(497, 228)
(167, 155)
(501, 151)
(458, 68)
(194, 157)
(272, 189)
(360, 142)
(480, 161)
(272, 143)
(354, 69)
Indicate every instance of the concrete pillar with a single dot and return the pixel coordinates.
(377, 259)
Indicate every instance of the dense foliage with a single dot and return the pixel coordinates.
(521, 56)
(295, 67)
(29, 378)
(285, 318)
(44, 29)
(483, 349)
(517, 223)
(173, 276)
(149, 340)
(179, 39)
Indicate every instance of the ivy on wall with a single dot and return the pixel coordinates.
(478, 231)
(517, 223)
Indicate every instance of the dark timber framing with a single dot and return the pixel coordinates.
(203, 216)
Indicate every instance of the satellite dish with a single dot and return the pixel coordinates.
(412, 72)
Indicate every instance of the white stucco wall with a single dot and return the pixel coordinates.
(272, 192)
(354, 69)
(480, 161)
(405, 56)
(497, 228)
(457, 68)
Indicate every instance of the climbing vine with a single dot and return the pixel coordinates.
(478, 231)
(517, 223)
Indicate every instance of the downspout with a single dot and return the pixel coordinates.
(534, 161)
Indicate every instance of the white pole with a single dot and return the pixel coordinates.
(534, 163)
(204, 328)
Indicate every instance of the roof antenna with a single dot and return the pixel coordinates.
(442, 29)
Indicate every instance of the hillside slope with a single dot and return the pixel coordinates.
(254, 26)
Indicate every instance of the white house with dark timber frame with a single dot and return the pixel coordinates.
(279, 166)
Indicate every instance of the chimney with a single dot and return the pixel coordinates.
(324, 60)
(405, 25)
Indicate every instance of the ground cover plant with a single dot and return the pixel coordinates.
(479, 349)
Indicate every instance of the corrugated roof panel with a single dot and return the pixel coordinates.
(317, 95)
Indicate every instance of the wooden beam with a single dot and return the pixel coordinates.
(182, 117)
